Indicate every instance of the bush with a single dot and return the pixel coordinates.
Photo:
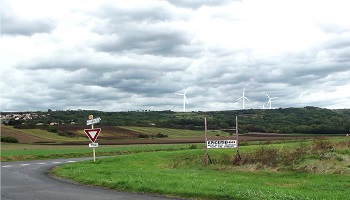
(142, 135)
(24, 126)
(52, 129)
(273, 157)
(161, 135)
(321, 144)
(9, 139)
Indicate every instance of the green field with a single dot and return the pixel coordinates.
(44, 134)
(14, 152)
(182, 173)
(295, 169)
(174, 133)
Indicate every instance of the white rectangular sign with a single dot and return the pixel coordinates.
(93, 121)
(221, 144)
(93, 145)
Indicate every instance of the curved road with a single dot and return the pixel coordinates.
(29, 180)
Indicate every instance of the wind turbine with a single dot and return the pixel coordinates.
(243, 97)
(185, 99)
(270, 100)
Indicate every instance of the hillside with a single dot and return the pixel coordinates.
(311, 120)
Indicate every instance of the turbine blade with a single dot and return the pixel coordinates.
(178, 94)
(186, 100)
(239, 98)
(186, 90)
(267, 95)
(246, 98)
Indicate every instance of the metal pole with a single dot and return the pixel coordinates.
(206, 141)
(237, 133)
(93, 148)
(238, 156)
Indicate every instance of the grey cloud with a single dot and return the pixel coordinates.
(144, 41)
(194, 4)
(118, 15)
(143, 30)
(12, 25)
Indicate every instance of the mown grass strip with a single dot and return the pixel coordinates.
(15, 152)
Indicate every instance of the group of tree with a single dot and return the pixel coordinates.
(287, 120)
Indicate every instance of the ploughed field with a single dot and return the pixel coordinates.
(74, 134)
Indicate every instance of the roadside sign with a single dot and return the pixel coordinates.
(92, 133)
(93, 145)
(93, 121)
(221, 144)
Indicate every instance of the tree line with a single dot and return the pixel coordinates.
(284, 120)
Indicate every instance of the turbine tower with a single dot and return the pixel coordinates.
(185, 99)
(243, 98)
(270, 100)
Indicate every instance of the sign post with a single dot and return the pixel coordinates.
(238, 156)
(206, 141)
(209, 144)
(93, 133)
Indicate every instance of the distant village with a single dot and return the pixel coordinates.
(23, 117)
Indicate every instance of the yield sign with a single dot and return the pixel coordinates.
(92, 133)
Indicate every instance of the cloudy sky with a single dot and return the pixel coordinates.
(112, 55)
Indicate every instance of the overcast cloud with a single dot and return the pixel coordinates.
(112, 55)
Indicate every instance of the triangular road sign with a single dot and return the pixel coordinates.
(92, 133)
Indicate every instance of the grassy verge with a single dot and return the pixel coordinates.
(182, 173)
(15, 152)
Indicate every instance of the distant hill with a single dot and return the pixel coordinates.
(284, 120)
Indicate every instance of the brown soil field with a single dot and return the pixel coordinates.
(109, 132)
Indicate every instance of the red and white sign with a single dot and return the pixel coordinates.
(92, 133)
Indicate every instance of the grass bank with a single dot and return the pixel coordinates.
(16, 152)
(183, 174)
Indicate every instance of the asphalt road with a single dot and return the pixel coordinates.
(29, 180)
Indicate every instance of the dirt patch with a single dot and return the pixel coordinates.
(108, 132)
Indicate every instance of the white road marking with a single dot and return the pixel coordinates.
(26, 164)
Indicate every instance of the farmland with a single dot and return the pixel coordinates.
(314, 169)
(272, 166)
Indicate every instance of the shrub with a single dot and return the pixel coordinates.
(273, 157)
(24, 126)
(52, 129)
(9, 139)
(321, 144)
(161, 135)
(142, 135)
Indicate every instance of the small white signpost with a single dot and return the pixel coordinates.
(93, 145)
(93, 121)
(209, 144)
(221, 144)
(93, 133)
